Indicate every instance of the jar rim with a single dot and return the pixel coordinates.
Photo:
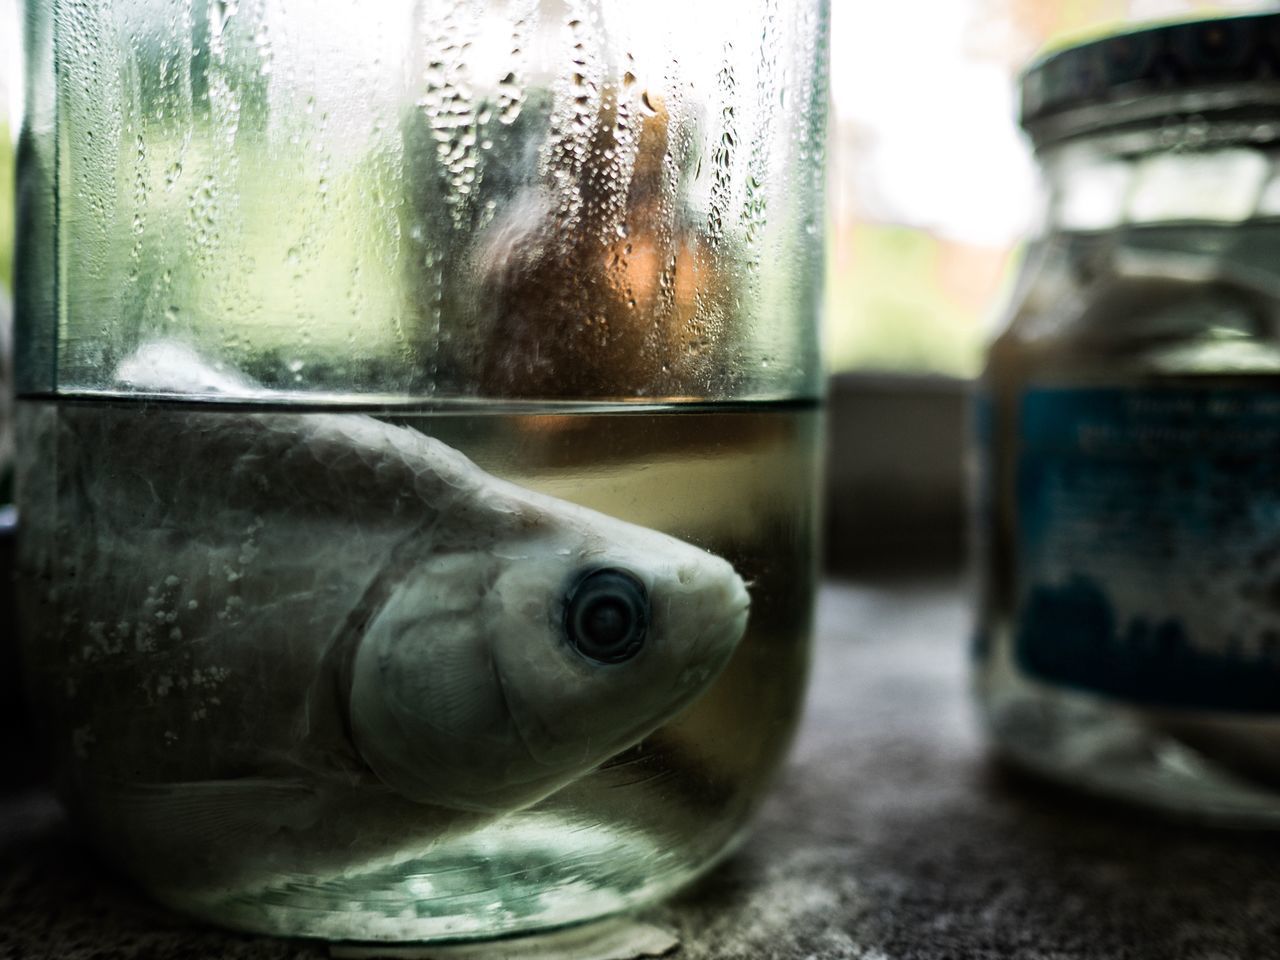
(1140, 75)
(1190, 119)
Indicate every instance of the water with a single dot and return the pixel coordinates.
(141, 683)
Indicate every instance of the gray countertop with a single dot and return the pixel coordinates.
(890, 836)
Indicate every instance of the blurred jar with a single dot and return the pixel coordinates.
(1128, 430)
(299, 667)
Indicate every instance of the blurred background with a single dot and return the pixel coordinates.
(931, 187)
(931, 183)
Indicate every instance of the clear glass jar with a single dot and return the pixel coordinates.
(409, 393)
(1128, 431)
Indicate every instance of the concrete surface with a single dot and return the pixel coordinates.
(891, 836)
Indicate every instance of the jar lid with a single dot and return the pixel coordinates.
(1169, 59)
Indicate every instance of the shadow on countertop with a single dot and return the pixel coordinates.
(952, 854)
(20, 761)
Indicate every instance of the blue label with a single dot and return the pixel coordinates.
(1149, 544)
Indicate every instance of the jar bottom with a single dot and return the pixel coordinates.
(529, 873)
(1191, 765)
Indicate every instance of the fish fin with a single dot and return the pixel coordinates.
(358, 464)
(170, 366)
(456, 692)
(205, 817)
(464, 687)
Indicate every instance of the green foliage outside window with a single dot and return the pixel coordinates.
(898, 300)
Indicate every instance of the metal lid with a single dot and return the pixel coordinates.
(1170, 59)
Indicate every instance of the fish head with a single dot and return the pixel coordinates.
(611, 636)
(571, 637)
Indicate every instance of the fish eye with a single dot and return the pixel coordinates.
(606, 615)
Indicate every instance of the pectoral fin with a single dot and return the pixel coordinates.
(204, 821)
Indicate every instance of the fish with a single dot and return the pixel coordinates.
(268, 640)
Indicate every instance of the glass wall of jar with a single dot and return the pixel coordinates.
(409, 392)
(1128, 431)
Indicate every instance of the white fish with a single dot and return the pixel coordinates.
(298, 639)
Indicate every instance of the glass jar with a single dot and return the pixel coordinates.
(409, 393)
(1129, 431)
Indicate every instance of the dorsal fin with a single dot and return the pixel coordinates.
(339, 463)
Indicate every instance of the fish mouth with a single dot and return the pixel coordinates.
(719, 636)
(731, 634)
(739, 604)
